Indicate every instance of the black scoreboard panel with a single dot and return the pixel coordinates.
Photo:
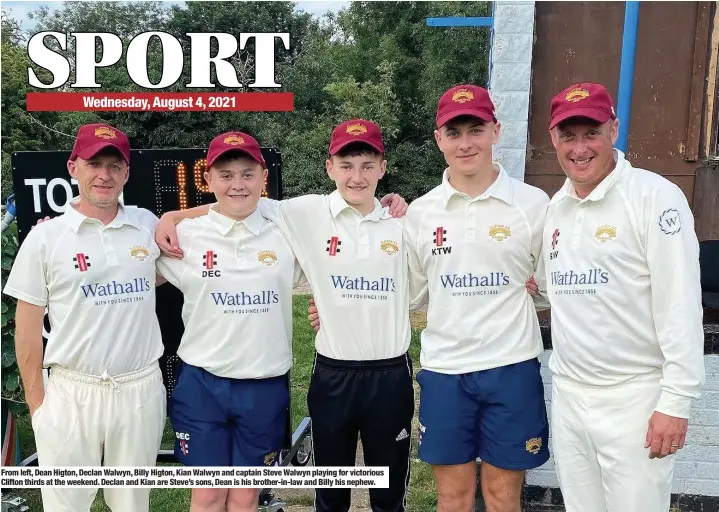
(161, 180)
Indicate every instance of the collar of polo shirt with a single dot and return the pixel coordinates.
(501, 188)
(76, 218)
(338, 205)
(224, 224)
(601, 190)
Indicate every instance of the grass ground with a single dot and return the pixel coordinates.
(421, 498)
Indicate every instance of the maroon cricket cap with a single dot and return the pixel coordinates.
(93, 138)
(465, 100)
(356, 130)
(582, 100)
(234, 141)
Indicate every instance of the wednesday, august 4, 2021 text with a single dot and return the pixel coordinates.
(183, 477)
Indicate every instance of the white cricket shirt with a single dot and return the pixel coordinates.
(357, 268)
(622, 271)
(474, 257)
(98, 283)
(236, 278)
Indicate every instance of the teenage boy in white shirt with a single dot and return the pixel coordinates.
(473, 243)
(230, 404)
(622, 273)
(93, 268)
(351, 251)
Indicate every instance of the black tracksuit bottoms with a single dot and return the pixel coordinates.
(372, 399)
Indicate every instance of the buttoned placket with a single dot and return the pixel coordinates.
(470, 215)
(578, 223)
(241, 244)
(362, 238)
(107, 245)
(470, 232)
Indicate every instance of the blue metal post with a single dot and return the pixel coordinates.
(460, 21)
(468, 21)
(626, 71)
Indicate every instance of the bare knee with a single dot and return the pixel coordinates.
(456, 487)
(208, 500)
(242, 500)
(501, 489)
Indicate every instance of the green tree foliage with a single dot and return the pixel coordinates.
(21, 130)
(11, 383)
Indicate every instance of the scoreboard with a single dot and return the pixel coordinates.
(160, 180)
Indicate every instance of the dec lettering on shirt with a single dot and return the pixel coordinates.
(622, 272)
(237, 279)
(357, 268)
(473, 258)
(98, 283)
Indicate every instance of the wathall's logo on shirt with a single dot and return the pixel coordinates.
(440, 237)
(572, 278)
(245, 299)
(81, 261)
(333, 246)
(579, 283)
(209, 261)
(471, 280)
(137, 285)
(383, 284)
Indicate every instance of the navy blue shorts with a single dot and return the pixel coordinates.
(498, 415)
(228, 422)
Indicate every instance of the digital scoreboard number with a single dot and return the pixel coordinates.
(161, 180)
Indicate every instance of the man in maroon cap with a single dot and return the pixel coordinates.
(93, 268)
(622, 269)
(473, 243)
(351, 250)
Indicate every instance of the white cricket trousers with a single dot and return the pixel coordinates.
(598, 437)
(87, 420)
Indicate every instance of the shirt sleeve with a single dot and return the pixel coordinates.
(28, 277)
(537, 220)
(296, 218)
(672, 252)
(299, 278)
(147, 218)
(173, 269)
(418, 284)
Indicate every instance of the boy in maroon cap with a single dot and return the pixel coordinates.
(627, 332)
(474, 242)
(93, 268)
(230, 404)
(351, 250)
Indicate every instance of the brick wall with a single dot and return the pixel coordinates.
(697, 467)
(509, 82)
